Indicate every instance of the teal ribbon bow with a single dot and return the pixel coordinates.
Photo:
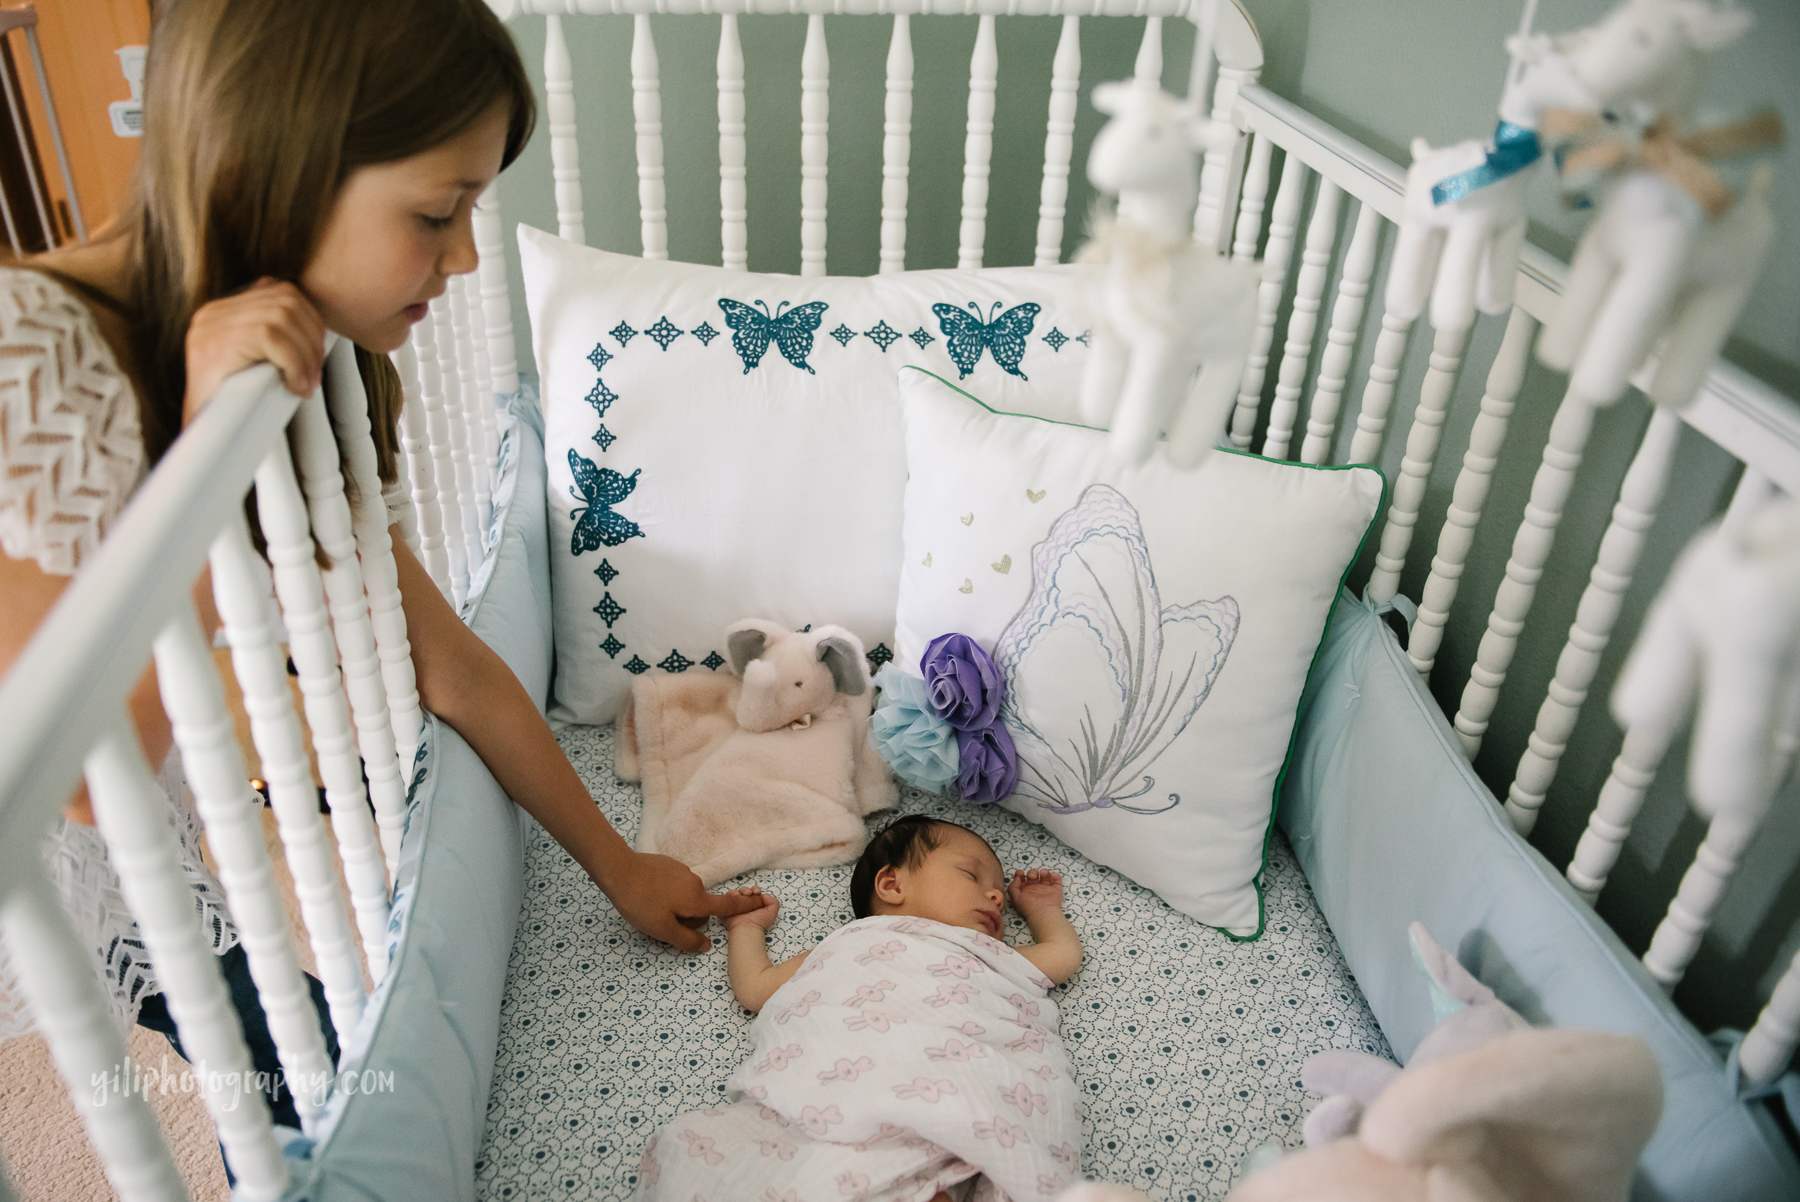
(1514, 148)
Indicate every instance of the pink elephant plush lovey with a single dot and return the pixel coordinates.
(769, 766)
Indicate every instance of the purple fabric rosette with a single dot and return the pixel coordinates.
(965, 689)
(990, 765)
(964, 685)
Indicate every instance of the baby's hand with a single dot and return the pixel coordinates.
(1036, 889)
(762, 918)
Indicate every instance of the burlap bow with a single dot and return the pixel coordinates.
(1588, 146)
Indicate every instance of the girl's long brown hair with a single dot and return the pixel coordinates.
(256, 111)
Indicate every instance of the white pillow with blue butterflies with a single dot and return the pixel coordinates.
(723, 445)
(1155, 628)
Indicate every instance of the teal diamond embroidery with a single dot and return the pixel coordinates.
(598, 356)
(882, 335)
(675, 661)
(610, 611)
(880, 655)
(623, 333)
(705, 333)
(921, 337)
(1056, 338)
(605, 438)
(843, 334)
(713, 661)
(636, 666)
(612, 646)
(602, 397)
(606, 572)
(663, 332)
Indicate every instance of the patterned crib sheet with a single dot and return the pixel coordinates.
(1186, 1045)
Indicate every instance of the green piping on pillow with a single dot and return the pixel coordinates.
(1324, 633)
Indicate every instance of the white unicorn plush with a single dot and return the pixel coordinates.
(1465, 203)
(1162, 307)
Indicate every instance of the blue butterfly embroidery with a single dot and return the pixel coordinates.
(596, 524)
(1004, 335)
(792, 330)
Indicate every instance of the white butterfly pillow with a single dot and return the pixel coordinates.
(724, 445)
(1155, 628)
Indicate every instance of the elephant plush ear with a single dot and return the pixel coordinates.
(842, 653)
(747, 640)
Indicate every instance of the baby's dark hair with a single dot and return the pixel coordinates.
(903, 843)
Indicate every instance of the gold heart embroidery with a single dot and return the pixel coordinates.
(1034, 497)
(968, 518)
(1004, 566)
(968, 586)
(927, 560)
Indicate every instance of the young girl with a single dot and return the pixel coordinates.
(908, 1055)
(305, 167)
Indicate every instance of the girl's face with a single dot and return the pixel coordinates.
(959, 883)
(398, 231)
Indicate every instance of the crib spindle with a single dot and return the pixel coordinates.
(1524, 568)
(462, 459)
(978, 146)
(734, 194)
(68, 1004)
(496, 300)
(1378, 389)
(340, 672)
(1252, 199)
(241, 590)
(437, 425)
(1303, 320)
(1576, 667)
(1457, 535)
(815, 145)
(565, 152)
(1219, 168)
(1340, 339)
(232, 813)
(473, 392)
(1059, 143)
(131, 812)
(1415, 467)
(1282, 222)
(1148, 68)
(1769, 1046)
(896, 146)
(379, 579)
(1697, 899)
(646, 108)
(421, 470)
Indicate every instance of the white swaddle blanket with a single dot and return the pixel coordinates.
(905, 1057)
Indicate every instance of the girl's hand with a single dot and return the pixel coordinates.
(1036, 889)
(269, 322)
(761, 918)
(664, 899)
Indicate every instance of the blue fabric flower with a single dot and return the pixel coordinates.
(918, 745)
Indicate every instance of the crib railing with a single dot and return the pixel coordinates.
(67, 719)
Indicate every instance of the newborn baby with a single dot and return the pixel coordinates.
(909, 1056)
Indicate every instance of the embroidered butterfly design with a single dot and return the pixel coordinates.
(1095, 627)
(596, 524)
(792, 330)
(1003, 335)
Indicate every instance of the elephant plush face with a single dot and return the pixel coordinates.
(789, 676)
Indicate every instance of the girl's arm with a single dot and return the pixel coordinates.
(1038, 897)
(462, 681)
(754, 979)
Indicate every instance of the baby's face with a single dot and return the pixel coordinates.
(960, 884)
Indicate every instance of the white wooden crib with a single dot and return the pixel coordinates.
(64, 700)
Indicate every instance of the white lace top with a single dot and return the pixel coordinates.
(71, 454)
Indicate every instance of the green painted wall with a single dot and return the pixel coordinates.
(1383, 70)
